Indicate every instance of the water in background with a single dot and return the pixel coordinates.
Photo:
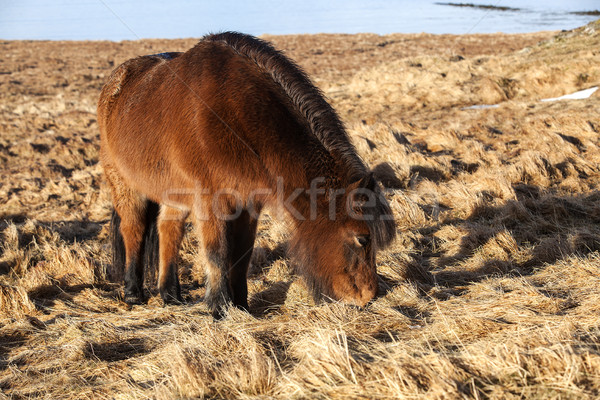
(135, 19)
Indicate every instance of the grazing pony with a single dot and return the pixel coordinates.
(217, 133)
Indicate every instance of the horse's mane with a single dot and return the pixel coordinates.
(324, 122)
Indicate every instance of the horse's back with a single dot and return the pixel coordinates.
(209, 116)
(124, 75)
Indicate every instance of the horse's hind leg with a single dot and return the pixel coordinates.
(171, 223)
(131, 208)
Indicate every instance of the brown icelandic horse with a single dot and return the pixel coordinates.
(218, 132)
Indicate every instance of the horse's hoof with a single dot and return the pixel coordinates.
(219, 314)
(218, 310)
(133, 299)
(169, 299)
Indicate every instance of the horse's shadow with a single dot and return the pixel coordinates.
(551, 226)
(270, 299)
(75, 231)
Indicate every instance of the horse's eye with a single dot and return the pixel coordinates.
(362, 240)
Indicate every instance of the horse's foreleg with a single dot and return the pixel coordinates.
(244, 233)
(228, 246)
(217, 240)
(171, 224)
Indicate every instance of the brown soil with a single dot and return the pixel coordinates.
(491, 290)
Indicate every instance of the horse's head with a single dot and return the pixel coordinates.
(337, 253)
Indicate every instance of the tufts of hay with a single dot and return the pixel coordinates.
(14, 303)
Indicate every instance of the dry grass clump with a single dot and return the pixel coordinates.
(230, 363)
(491, 290)
(552, 68)
(14, 302)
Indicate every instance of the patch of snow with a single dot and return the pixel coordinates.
(582, 94)
(481, 106)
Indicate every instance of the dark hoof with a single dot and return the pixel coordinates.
(171, 298)
(171, 301)
(218, 309)
(134, 299)
(218, 302)
(219, 314)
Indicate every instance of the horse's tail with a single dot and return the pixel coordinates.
(115, 273)
(150, 243)
(150, 252)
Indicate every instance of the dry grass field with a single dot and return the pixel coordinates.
(491, 290)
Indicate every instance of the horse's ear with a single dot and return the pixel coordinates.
(368, 182)
(362, 191)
